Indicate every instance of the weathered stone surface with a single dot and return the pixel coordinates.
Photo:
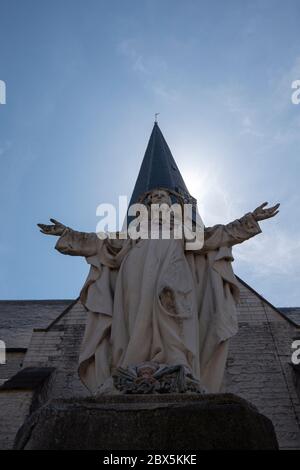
(19, 317)
(258, 368)
(154, 422)
(15, 404)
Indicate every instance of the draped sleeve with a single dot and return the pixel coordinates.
(231, 234)
(75, 243)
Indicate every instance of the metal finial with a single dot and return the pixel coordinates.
(156, 114)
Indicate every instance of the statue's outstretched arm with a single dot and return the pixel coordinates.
(261, 214)
(239, 230)
(70, 241)
(56, 228)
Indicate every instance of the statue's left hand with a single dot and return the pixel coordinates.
(260, 213)
(56, 229)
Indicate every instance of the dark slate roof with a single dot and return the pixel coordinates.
(158, 169)
(19, 317)
(293, 313)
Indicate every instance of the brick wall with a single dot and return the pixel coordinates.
(258, 364)
(58, 346)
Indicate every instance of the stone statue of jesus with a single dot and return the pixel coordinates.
(154, 308)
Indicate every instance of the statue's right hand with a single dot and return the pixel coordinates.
(56, 229)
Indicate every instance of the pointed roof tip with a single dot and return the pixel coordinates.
(159, 169)
(155, 127)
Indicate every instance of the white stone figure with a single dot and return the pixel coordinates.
(151, 301)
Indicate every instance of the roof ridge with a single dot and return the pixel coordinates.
(267, 302)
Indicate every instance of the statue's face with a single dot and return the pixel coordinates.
(159, 196)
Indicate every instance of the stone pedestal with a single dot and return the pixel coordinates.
(148, 422)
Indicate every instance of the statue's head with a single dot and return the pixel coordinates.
(165, 202)
(159, 196)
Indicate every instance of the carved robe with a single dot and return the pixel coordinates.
(150, 300)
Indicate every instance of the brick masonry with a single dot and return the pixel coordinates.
(258, 367)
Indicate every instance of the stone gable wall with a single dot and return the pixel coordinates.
(258, 367)
(258, 364)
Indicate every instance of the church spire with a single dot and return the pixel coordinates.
(159, 169)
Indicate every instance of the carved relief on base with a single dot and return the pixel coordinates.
(150, 377)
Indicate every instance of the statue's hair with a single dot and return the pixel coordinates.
(144, 198)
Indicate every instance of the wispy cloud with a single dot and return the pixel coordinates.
(271, 254)
(4, 147)
(246, 115)
(153, 70)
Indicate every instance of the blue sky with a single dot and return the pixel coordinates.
(84, 79)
